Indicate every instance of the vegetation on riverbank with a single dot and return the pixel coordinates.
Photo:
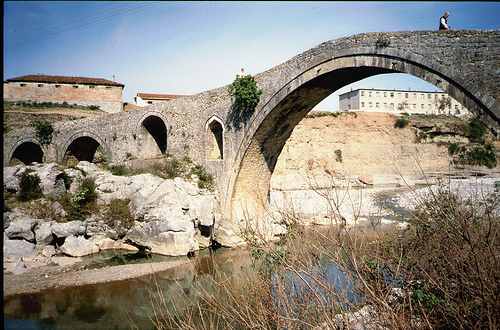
(442, 271)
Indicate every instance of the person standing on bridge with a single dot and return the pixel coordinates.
(242, 73)
(443, 22)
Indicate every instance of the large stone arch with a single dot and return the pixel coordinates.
(308, 83)
(27, 150)
(82, 146)
(151, 135)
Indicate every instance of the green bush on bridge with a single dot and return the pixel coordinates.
(245, 92)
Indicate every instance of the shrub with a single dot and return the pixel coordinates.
(476, 130)
(121, 170)
(452, 246)
(44, 132)
(82, 201)
(119, 210)
(66, 178)
(245, 92)
(206, 179)
(338, 156)
(401, 122)
(382, 42)
(29, 186)
(482, 156)
(453, 148)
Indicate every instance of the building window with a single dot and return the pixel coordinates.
(456, 106)
(22, 85)
(377, 94)
(92, 86)
(58, 86)
(40, 85)
(369, 94)
(399, 95)
(429, 106)
(377, 105)
(108, 87)
(362, 104)
(392, 94)
(369, 104)
(348, 107)
(75, 86)
(422, 106)
(150, 102)
(414, 95)
(429, 96)
(362, 93)
(422, 96)
(385, 105)
(385, 94)
(392, 105)
(435, 96)
(406, 95)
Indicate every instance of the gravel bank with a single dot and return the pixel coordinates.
(43, 278)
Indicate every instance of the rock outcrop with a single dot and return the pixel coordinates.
(170, 217)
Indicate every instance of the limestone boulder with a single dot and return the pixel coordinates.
(22, 228)
(201, 209)
(15, 268)
(14, 250)
(78, 246)
(43, 234)
(48, 174)
(159, 237)
(68, 229)
(10, 179)
(227, 237)
(46, 250)
(76, 178)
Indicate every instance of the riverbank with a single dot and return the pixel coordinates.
(53, 277)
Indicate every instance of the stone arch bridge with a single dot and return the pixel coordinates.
(242, 152)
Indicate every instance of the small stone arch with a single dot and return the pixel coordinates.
(84, 146)
(26, 151)
(214, 129)
(151, 135)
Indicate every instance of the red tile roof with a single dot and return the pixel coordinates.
(65, 80)
(149, 96)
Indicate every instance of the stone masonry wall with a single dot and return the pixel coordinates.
(108, 98)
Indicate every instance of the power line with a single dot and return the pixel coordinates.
(140, 10)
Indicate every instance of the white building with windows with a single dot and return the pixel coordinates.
(397, 101)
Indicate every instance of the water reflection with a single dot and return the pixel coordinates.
(117, 305)
(121, 304)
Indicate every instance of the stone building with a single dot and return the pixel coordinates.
(392, 100)
(103, 93)
(144, 99)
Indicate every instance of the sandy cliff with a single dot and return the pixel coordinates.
(362, 147)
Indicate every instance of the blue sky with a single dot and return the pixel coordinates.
(175, 47)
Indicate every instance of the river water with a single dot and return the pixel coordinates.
(121, 304)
